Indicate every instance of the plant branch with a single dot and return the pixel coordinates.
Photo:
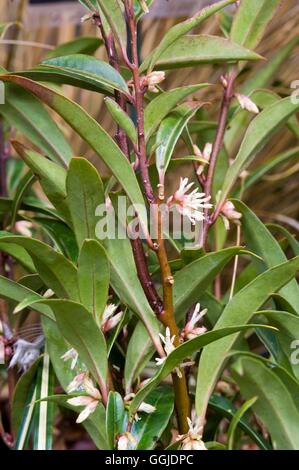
(228, 83)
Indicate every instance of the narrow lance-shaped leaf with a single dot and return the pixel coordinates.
(122, 119)
(176, 357)
(93, 277)
(193, 50)
(37, 125)
(169, 133)
(93, 134)
(79, 70)
(274, 406)
(262, 242)
(251, 21)
(85, 193)
(160, 106)
(181, 29)
(261, 129)
(238, 311)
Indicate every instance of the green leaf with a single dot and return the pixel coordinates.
(80, 70)
(43, 411)
(193, 50)
(115, 418)
(81, 331)
(93, 277)
(288, 327)
(238, 311)
(265, 76)
(122, 119)
(261, 129)
(251, 21)
(179, 30)
(22, 392)
(93, 134)
(275, 407)
(160, 106)
(139, 352)
(191, 281)
(57, 272)
(269, 165)
(82, 45)
(176, 357)
(150, 427)
(169, 133)
(260, 240)
(85, 193)
(12, 290)
(126, 284)
(50, 175)
(235, 421)
(222, 405)
(37, 125)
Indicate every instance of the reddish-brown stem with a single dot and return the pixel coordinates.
(217, 146)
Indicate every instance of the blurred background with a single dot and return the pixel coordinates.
(45, 24)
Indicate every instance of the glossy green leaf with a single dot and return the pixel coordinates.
(81, 45)
(50, 175)
(57, 272)
(79, 70)
(122, 119)
(160, 106)
(176, 357)
(260, 240)
(169, 133)
(258, 134)
(37, 125)
(251, 21)
(274, 407)
(179, 30)
(93, 134)
(238, 311)
(81, 331)
(12, 290)
(93, 277)
(115, 418)
(149, 428)
(235, 421)
(226, 408)
(85, 193)
(22, 391)
(192, 50)
(44, 410)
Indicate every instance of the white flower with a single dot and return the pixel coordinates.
(71, 354)
(192, 440)
(191, 331)
(23, 227)
(90, 402)
(153, 79)
(229, 212)
(126, 442)
(110, 320)
(189, 205)
(247, 103)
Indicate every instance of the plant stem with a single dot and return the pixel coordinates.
(217, 146)
(167, 316)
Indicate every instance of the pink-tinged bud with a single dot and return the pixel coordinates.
(153, 79)
(23, 227)
(229, 211)
(247, 103)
